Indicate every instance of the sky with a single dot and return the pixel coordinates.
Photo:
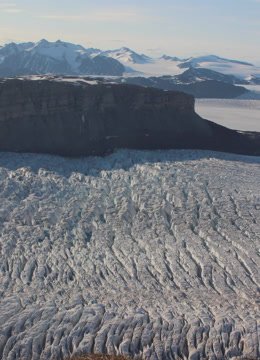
(229, 28)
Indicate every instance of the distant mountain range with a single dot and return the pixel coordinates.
(203, 77)
(65, 58)
(57, 57)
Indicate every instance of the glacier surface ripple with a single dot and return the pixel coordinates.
(151, 254)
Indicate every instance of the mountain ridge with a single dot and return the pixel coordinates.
(58, 57)
(66, 58)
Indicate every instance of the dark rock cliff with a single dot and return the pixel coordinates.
(67, 118)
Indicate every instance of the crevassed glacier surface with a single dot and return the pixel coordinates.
(152, 254)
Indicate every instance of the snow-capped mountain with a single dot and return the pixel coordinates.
(60, 51)
(171, 58)
(55, 58)
(12, 49)
(65, 58)
(198, 61)
(237, 68)
(127, 56)
(172, 65)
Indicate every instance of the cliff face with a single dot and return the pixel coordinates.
(79, 118)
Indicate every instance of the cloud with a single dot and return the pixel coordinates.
(10, 8)
(109, 16)
(98, 17)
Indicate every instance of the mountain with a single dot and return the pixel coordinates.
(170, 58)
(193, 75)
(197, 61)
(172, 65)
(127, 56)
(65, 58)
(58, 57)
(236, 68)
(13, 49)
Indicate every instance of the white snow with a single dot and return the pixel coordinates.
(234, 114)
(126, 56)
(156, 67)
(230, 68)
(59, 51)
(162, 66)
(254, 88)
(74, 80)
(152, 254)
(142, 65)
(166, 66)
(78, 80)
(159, 67)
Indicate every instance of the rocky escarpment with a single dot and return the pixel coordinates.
(90, 117)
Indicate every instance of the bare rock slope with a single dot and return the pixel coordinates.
(79, 117)
(148, 254)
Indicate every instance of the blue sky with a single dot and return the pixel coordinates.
(228, 28)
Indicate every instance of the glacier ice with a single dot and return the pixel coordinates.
(144, 253)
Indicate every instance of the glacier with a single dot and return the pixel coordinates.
(151, 254)
(235, 114)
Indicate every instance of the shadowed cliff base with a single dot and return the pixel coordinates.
(76, 118)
